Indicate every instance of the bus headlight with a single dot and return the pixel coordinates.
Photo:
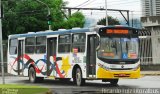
(106, 68)
(103, 66)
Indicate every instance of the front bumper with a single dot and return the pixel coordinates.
(110, 74)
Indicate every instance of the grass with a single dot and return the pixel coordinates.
(22, 89)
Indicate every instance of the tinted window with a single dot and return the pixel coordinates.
(30, 41)
(79, 42)
(64, 44)
(30, 45)
(13, 46)
(41, 45)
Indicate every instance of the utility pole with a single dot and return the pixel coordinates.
(102, 9)
(49, 13)
(106, 13)
(1, 44)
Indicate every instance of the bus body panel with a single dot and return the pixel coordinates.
(12, 64)
(39, 63)
(79, 59)
(64, 66)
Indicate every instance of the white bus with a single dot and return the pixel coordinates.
(104, 53)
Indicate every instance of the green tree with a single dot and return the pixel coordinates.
(22, 16)
(111, 21)
(77, 19)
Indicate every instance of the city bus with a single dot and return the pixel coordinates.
(104, 53)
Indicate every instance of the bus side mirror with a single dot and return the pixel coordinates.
(97, 42)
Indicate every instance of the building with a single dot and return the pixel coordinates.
(150, 39)
(151, 22)
(150, 7)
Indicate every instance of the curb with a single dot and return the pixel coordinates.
(151, 73)
(6, 74)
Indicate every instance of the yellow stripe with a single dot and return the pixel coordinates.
(102, 73)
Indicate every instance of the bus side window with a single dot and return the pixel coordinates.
(79, 42)
(41, 44)
(64, 43)
(30, 45)
(13, 46)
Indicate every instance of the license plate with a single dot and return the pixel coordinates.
(122, 75)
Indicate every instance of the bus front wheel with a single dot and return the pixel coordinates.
(78, 77)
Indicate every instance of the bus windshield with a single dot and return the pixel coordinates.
(118, 48)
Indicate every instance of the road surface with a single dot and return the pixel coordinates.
(94, 86)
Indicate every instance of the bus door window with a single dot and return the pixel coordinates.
(13, 46)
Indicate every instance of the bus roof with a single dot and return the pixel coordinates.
(50, 32)
(63, 31)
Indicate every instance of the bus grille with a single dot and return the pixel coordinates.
(121, 68)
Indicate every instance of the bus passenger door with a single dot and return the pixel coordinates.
(20, 65)
(91, 56)
(51, 56)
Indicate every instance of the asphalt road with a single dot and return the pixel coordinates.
(94, 86)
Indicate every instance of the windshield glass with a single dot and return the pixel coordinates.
(118, 48)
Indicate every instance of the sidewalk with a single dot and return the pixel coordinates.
(150, 72)
(6, 74)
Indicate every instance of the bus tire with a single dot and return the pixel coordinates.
(78, 78)
(32, 75)
(114, 81)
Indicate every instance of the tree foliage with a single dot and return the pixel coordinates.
(22, 16)
(111, 21)
(77, 19)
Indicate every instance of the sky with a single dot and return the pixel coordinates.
(112, 4)
(132, 5)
